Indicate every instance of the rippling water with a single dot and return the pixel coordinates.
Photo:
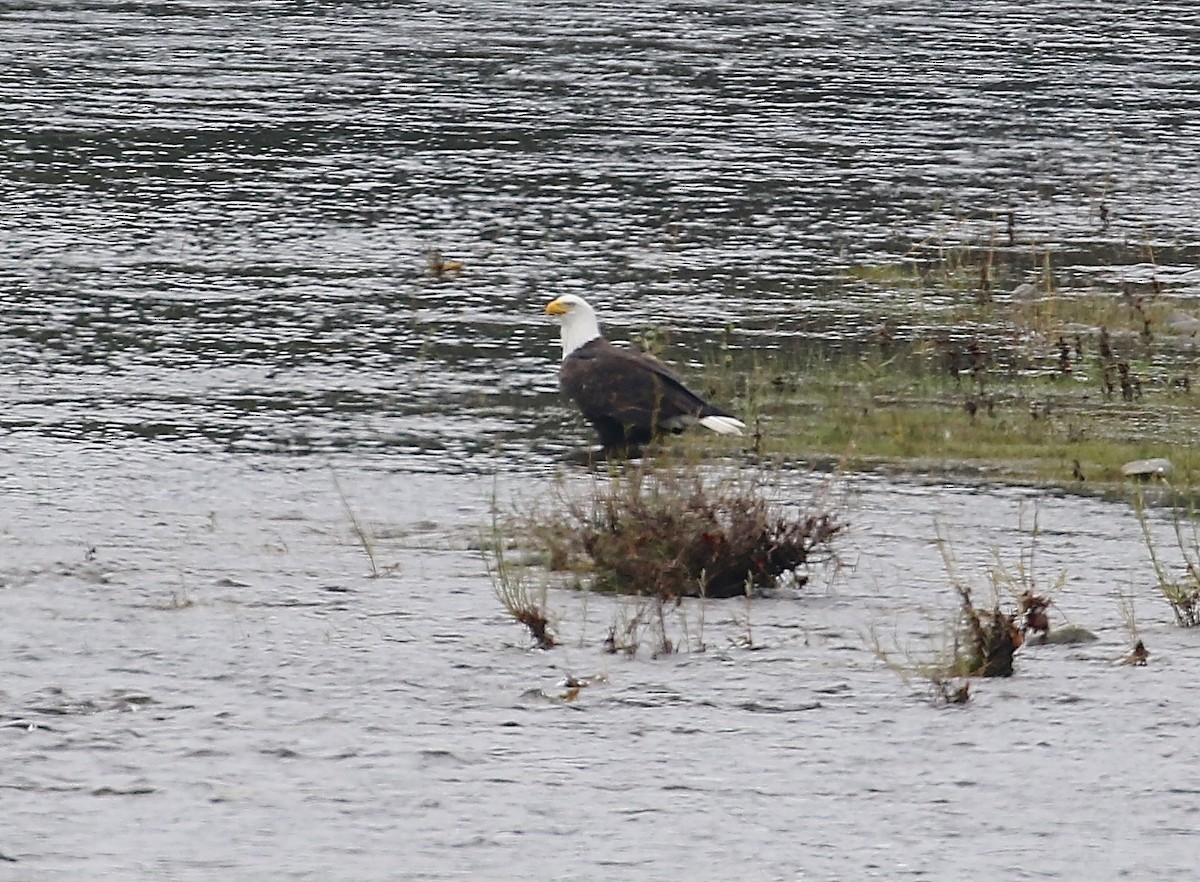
(214, 299)
(214, 210)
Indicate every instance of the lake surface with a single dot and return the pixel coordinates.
(221, 344)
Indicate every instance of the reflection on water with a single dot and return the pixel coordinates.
(213, 290)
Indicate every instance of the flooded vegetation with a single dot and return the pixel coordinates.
(275, 368)
(668, 529)
(1039, 385)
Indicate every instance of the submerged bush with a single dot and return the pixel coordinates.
(984, 640)
(987, 642)
(677, 532)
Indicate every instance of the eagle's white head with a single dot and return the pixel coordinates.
(577, 319)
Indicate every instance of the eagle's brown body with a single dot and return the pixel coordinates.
(629, 397)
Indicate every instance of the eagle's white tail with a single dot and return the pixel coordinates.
(723, 425)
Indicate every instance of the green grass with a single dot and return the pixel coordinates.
(1035, 433)
(1063, 388)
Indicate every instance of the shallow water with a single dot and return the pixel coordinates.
(221, 687)
(220, 345)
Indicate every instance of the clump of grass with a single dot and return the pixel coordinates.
(938, 673)
(988, 638)
(663, 620)
(180, 599)
(365, 537)
(1020, 580)
(1139, 655)
(679, 532)
(646, 620)
(983, 641)
(667, 625)
(1183, 593)
(510, 581)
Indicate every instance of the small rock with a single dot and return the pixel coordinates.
(1064, 636)
(1147, 468)
(1182, 323)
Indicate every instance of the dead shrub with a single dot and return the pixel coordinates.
(676, 532)
(983, 642)
(988, 640)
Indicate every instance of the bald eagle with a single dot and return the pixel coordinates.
(628, 396)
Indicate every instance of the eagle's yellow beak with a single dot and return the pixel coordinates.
(556, 307)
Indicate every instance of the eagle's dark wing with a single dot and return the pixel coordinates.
(627, 395)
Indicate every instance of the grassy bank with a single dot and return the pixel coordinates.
(1030, 429)
(1041, 386)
